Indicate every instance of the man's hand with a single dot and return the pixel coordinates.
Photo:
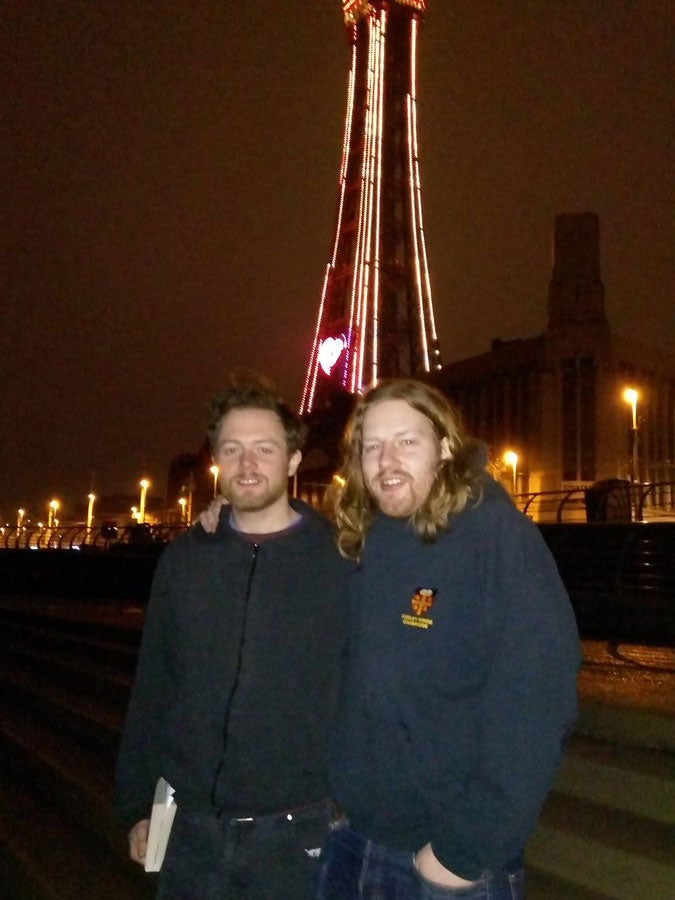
(138, 841)
(209, 518)
(431, 869)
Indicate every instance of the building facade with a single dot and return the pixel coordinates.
(557, 400)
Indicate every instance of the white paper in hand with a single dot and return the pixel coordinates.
(161, 820)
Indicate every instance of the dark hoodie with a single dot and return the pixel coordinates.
(238, 672)
(461, 687)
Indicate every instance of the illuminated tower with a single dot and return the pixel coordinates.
(375, 317)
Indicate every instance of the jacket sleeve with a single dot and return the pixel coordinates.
(155, 685)
(528, 704)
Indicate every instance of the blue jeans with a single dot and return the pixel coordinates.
(353, 868)
(269, 858)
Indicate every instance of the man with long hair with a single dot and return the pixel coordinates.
(461, 678)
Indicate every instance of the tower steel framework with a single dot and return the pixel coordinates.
(376, 318)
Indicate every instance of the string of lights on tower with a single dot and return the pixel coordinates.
(376, 317)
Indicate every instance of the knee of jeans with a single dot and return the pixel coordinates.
(339, 864)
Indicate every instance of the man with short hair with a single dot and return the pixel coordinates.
(461, 675)
(237, 675)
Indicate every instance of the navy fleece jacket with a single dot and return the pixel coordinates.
(460, 689)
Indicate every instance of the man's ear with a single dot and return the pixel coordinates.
(446, 452)
(293, 463)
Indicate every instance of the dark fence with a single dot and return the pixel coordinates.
(123, 576)
(620, 576)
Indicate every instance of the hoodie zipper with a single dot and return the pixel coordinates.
(235, 681)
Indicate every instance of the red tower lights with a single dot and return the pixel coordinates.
(376, 316)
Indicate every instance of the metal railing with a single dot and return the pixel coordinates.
(655, 500)
(553, 506)
(79, 537)
(652, 502)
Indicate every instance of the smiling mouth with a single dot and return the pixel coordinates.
(392, 481)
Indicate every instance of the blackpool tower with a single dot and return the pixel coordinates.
(376, 317)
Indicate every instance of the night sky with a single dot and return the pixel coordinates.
(168, 196)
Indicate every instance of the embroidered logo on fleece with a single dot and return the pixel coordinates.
(421, 603)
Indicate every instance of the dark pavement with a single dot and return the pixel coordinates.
(607, 831)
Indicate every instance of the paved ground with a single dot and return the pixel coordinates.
(626, 691)
(621, 674)
(607, 829)
(629, 675)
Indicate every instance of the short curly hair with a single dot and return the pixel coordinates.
(255, 393)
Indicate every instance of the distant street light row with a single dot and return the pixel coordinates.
(137, 512)
(510, 458)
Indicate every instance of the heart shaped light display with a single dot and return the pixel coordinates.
(329, 352)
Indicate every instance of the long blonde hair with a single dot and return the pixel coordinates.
(455, 485)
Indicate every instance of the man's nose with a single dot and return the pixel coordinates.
(388, 454)
(247, 460)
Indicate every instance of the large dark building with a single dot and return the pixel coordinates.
(557, 400)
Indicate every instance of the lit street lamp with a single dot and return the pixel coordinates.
(182, 502)
(145, 484)
(215, 472)
(189, 487)
(90, 509)
(511, 459)
(52, 521)
(20, 513)
(631, 396)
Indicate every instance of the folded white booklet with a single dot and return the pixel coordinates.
(161, 820)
